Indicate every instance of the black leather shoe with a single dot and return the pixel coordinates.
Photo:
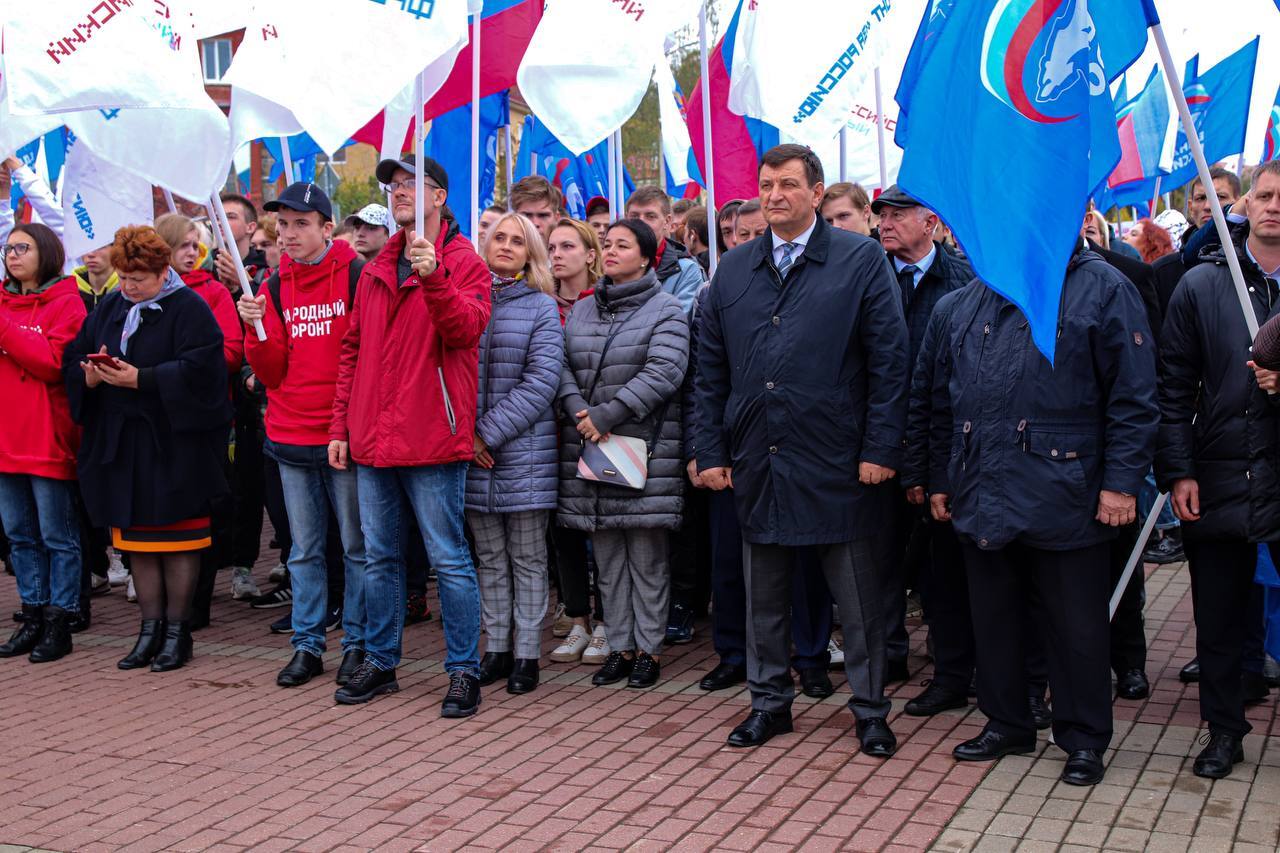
(896, 671)
(24, 639)
(494, 666)
(991, 745)
(145, 649)
(1084, 767)
(351, 660)
(175, 647)
(523, 677)
(616, 667)
(1190, 673)
(934, 700)
(679, 625)
(877, 739)
(1216, 760)
(55, 637)
(300, 670)
(816, 683)
(1133, 685)
(644, 672)
(1041, 713)
(463, 698)
(1254, 687)
(724, 676)
(759, 727)
(366, 682)
(81, 620)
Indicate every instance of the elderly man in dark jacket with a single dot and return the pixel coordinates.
(801, 398)
(1036, 465)
(1219, 456)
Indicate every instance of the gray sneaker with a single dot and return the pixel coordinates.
(243, 586)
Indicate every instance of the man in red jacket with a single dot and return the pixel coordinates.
(404, 413)
(304, 309)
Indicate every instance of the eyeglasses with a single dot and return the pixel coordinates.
(15, 249)
(407, 185)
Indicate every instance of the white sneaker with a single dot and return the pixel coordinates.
(242, 584)
(570, 651)
(562, 624)
(117, 574)
(837, 655)
(130, 594)
(99, 585)
(278, 574)
(598, 649)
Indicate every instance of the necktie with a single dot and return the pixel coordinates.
(787, 262)
(907, 281)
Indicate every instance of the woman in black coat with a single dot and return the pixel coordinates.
(155, 420)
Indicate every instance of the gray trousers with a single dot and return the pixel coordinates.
(511, 565)
(851, 574)
(635, 583)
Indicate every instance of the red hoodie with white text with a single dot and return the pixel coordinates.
(224, 311)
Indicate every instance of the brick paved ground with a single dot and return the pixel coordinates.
(215, 756)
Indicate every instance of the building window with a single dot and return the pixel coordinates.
(215, 55)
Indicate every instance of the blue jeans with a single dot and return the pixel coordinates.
(312, 491)
(40, 519)
(1147, 498)
(434, 493)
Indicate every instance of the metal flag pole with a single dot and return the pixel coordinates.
(1135, 556)
(288, 160)
(215, 202)
(884, 168)
(510, 166)
(612, 154)
(1155, 197)
(419, 136)
(620, 175)
(713, 227)
(168, 200)
(216, 228)
(844, 153)
(475, 123)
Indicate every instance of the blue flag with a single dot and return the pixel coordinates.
(1019, 90)
(579, 178)
(1219, 104)
(1271, 145)
(449, 144)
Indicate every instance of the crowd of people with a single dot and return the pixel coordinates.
(843, 415)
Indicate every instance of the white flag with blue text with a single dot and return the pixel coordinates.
(98, 200)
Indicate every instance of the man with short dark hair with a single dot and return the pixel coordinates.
(370, 227)
(679, 210)
(538, 200)
(1170, 269)
(801, 405)
(242, 217)
(486, 220)
(696, 236)
(750, 222)
(847, 207)
(598, 216)
(679, 274)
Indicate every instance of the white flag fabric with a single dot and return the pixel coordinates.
(97, 200)
(808, 92)
(675, 130)
(306, 72)
(590, 61)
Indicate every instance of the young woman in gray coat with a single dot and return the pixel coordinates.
(626, 354)
(511, 487)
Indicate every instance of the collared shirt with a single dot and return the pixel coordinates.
(318, 258)
(1273, 274)
(922, 265)
(800, 242)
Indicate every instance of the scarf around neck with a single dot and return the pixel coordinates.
(133, 319)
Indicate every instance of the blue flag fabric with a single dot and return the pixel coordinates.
(1219, 104)
(448, 142)
(1271, 145)
(579, 178)
(1269, 579)
(1021, 90)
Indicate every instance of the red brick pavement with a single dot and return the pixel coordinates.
(215, 756)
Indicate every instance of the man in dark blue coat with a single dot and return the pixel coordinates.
(1042, 465)
(801, 396)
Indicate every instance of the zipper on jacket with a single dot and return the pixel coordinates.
(1022, 435)
(964, 446)
(448, 404)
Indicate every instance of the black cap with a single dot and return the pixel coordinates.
(305, 197)
(431, 169)
(893, 197)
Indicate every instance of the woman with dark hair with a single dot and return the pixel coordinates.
(40, 312)
(727, 225)
(148, 382)
(621, 465)
(1151, 241)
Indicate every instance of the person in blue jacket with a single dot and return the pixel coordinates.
(1036, 465)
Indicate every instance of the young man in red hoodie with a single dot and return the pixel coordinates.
(405, 414)
(305, 308)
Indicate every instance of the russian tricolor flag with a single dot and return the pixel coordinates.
(1142, 125)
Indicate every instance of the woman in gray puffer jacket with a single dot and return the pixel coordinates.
(511, 487)
(627, 350)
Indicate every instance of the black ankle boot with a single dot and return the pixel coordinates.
(144, 651)
(24, 639)
(55, 638)
(175, 648)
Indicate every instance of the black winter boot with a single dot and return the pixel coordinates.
(24, 639)
(144, 651)
(175, 650)
(55, 638)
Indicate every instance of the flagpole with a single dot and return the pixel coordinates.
(218, 242)
(506, 142)
(1136, 554)
(168, 200)
(844, 154)
(884, 169)
(1155, 197)
(612, 154)
(215, 202)
(475, 123)
(419, 152)
(713, 226)
(620, 176)
(288, 160)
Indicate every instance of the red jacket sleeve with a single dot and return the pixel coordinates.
(224, 311)
(347, 369)
(40, 353)
(457, 295)
(270, 358)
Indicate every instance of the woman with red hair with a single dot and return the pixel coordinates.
(1151, 241)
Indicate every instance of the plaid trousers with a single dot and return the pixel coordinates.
(511, 565)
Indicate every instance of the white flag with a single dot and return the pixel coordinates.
(675, 130)
(327, 66)
(98, 200)
(809, 92)
(590, 61)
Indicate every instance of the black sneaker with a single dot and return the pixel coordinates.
(366, 682)
(283, 625)
(281, 596)
(333, 620)
(617, 667)
(463, 698)
(679, 625)
(644, 672)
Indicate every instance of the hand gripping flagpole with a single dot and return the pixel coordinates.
(713, 225)
(216, 203)
(475, 124)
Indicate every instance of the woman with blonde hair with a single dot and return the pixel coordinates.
(511, 487)
(576, 262)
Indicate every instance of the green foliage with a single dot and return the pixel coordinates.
(353, 194)
(642, 134)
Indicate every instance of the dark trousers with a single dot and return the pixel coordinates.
(1070, 603)
(273, 499)
(575, 579)
(691, 554)
(944, 596)
(904, 555)
(247, 489)
(811, 620)
(1128, 634)
(1222, 596)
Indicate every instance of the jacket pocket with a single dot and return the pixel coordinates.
(1065, 459)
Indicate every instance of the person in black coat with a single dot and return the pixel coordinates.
(801, 397)
(1036, 465)
(1219, 456)
(155, 417)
